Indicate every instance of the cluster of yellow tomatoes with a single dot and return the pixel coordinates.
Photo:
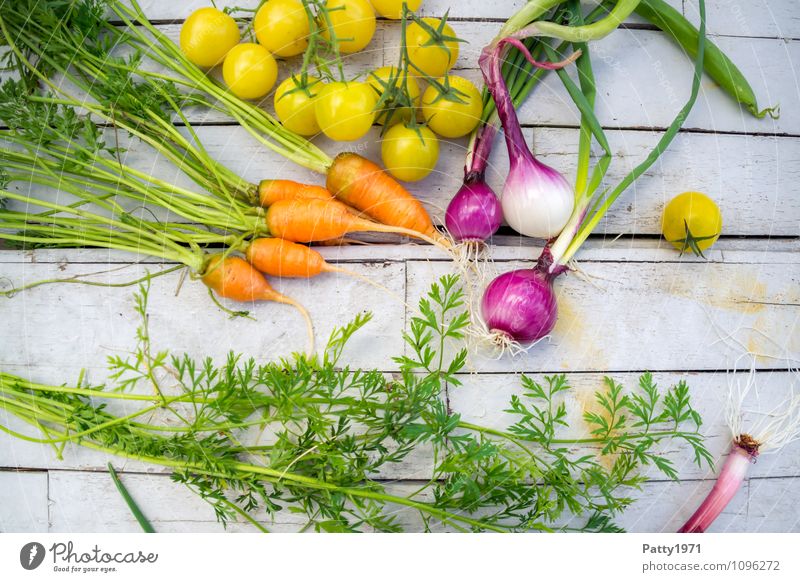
(344, 111)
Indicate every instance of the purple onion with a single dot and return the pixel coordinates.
(537, 200)
(521, 306)
(474, 213)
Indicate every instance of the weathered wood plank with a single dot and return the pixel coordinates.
(772, 505)
(659, 507)
(642, 316)
(23, 501)
(664, 506)
(773, 18)
(63, 330)
(473, 9)
(673, 328)
(770, 18)
(730, 250)
(625, 79)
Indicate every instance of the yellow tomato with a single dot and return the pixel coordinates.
(434, 55)
(282, 27)
(249, 70)
(345, 111)
(294, 105)
(381, 80)
(692, 221)
(353, 22)
(394, 8)
(409, 154)
(207, 36)
(451, 118)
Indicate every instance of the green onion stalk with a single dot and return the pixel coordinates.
(507, 326)
(334, 429)
(474, 212)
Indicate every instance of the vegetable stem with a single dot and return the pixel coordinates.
(146, 526)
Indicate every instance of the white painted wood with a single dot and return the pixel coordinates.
(665, 506)
(159, 10)
(770, 18)
(93, 320)
(772, 505)
(649, 316)
(622, 249)
(593, 332)
(661, 506)
(729, 17)
(627, 64)
(23, 501)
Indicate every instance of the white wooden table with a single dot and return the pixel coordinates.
(647, 309)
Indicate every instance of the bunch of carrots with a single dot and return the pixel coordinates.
(56, 142)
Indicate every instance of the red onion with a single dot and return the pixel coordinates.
(474, 213)
(768, 432)
(520, 306)
(743, 454)
(537, 200)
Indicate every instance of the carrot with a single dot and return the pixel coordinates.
(310, 219)
(271, 191)
(361, 184)
(284, 258)
(234, 278)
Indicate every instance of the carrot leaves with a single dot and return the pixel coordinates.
(317, 439)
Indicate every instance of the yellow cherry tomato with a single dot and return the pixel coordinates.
(449, 118)
(433, 59)
(407, 154)
(281, 26)
(381, 80)
(249, 70)
(353, 22)
(207, 36)
(294, 105)
(394, 8)
(345, 111)
(692, 221)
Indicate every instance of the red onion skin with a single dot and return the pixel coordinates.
(521, 304)
(474, 213)
(728, 483)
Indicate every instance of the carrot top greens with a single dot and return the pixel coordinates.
(314, 435)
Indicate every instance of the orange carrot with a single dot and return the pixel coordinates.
(271, 191)
(361, 184)
(310, 219)
(234, 278)
(283, 258)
